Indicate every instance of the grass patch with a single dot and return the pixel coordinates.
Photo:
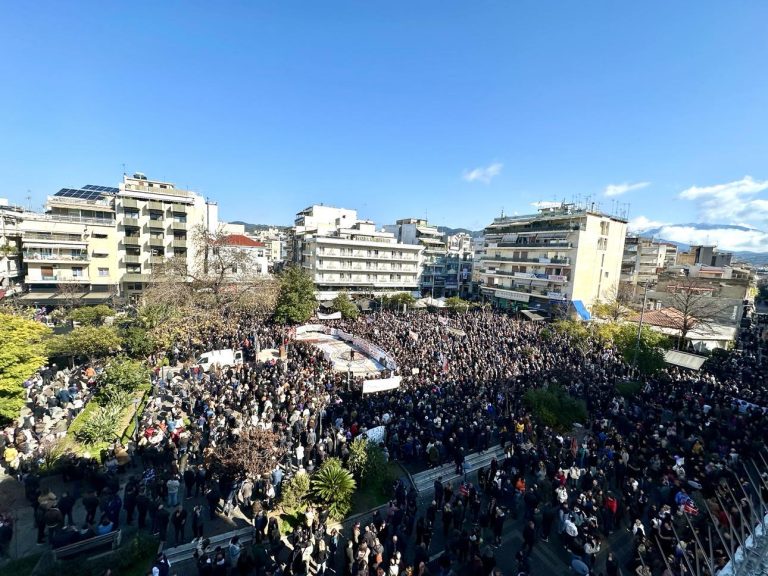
(369, 496)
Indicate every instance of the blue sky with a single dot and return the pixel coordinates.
(450, 109)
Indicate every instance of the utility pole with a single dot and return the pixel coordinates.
(640, 327)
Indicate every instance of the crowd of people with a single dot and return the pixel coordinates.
(661, 464)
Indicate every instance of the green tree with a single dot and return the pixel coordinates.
(617, 306)
(91, 342)
(456, 304)
(648, 356)
(124, 373)
(294, 493)
(343, 304)
(138, 341)
(296, 300)
(333, 486)
(398, 301)
(91, 315)
(554, 407)
(22, 352)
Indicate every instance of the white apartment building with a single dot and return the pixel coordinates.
(564, 257)
(417, 231)
(345, 254)
(644, 259)
(10, 248)
(156, 220)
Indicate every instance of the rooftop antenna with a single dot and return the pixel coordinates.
(29, 200)
(123, 168)
(502, 211)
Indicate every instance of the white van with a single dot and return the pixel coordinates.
(224, 358)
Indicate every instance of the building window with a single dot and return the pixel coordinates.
(99, 235)
(103, 272)
(46, 272)
(77, 272)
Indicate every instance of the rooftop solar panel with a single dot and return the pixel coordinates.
(86, 193)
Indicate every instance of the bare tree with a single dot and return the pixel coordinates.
(697, 306)
(617, 306)
(255, 453)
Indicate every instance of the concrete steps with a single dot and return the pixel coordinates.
(424, 481)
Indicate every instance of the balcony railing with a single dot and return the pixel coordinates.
(132, 240)
(41, 257)
(542, 260)
(553, 245)
(57, 278)
(131, 222)
(39, 237)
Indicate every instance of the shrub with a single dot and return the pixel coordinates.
(332, 486)
(295, 491)
(358, 457)
(555, 408)
(628, 389)
(100, 425)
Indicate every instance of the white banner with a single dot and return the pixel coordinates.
(377, 435)
(370, 386)
(331, 316)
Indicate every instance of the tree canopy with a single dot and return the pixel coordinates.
(256, 452)
(22, 352)
(91, 342)
(457, 304)
(296, 300)
(343, 304)
(90, 315)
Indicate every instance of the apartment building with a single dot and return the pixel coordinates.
(418, 232)
(644, 259)
(342, 253)
(10, 248)
(69, 251)
(155, 221)
(562, 258)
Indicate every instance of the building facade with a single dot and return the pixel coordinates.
(10, 249)
(155, 221)
(344, 254)
(644, 259)
(563, 258)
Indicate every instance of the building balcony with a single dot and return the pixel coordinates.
(158, 243)
(136, 277)
(129, 203)
(559, 278)
(57, 279)
(179, 243)
(131, 222)
(178, 226)
(155, 205)
(31, 257)
(68, 239)
(552, 245)
(154, 225)
(131, 259)
(132, 240)
(541, 260)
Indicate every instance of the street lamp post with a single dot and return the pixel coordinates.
(135, 421)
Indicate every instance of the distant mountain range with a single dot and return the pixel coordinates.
(251, 228)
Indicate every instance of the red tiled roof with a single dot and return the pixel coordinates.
(240, 240)
(664, 318)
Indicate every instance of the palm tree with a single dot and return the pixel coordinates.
(332, 486)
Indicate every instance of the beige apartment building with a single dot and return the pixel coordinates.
(562, 258)
(342, 253)
(69, 251)
(10, 249)
(155, 220)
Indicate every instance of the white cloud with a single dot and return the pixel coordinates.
(619, 189)
(724, 238)
(483, 174)
(730, 202)
(641, 223)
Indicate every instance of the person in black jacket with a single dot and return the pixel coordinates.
(179, 521)
(197, 522)
(161, 522)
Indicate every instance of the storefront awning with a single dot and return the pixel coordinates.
(581, 310)
(690, 361)
(532, 315)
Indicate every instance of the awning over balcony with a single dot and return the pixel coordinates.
(581, 310)
(690, 361)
